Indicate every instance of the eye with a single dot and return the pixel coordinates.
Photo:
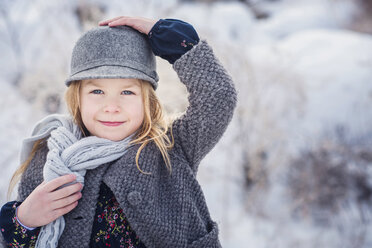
(127, 92)
(97, 92)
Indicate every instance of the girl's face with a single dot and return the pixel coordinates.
(111, 108)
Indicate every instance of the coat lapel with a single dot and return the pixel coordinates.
(79, 221)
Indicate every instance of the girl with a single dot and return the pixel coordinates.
(114, 172)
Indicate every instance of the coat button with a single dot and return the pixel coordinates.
(134, 198)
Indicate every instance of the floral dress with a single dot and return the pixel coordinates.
(111, 228)
(18, 236)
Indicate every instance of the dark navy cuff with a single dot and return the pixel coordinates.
(8, 223)
(171, 38)
(6, 220)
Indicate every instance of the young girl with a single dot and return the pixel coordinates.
(114, 173)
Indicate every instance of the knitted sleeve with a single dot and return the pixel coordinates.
(17, 235)
(33, 175)
(212, 99)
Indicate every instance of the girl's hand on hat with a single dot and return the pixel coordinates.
(45, 204)
(143, 25)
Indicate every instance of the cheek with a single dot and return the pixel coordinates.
(138, 112)
(84, 116)
(83, 113)
(141, 116)
(86, 110)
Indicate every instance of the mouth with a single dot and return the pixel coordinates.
(112, 123)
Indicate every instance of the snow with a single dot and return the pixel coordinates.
(15, 125)
(301, 15)
(317, 57)
(301, 74)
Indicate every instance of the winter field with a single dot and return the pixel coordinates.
(294, 168)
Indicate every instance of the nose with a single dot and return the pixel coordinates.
(112, 106)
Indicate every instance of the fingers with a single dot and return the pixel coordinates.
(66, 191)
(45, 203)
(121, 21)
(141, 24)
(64, 210)
(59, 181)
(64, 202)
(105, 22)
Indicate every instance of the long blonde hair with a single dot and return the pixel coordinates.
(155, 127)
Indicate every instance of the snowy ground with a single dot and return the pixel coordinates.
(301, 74)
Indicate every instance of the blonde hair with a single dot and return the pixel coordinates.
(18, 173)
(155, 127)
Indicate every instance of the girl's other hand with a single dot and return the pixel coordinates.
(143, 25)
(45, 203)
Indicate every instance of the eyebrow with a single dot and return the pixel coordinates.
(93, 83)
(90, 82)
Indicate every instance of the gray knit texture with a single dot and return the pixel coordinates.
(113, 52)
(69, 153)
(164, 210)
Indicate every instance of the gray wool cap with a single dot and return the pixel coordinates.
(113, 52)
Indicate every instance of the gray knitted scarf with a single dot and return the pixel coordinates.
(68, 153)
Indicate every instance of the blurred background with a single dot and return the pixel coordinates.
(294, 168)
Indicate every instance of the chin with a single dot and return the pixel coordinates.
(116, 138)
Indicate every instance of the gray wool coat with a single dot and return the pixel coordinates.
(164, 210)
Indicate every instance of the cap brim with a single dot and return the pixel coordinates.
(111, 71)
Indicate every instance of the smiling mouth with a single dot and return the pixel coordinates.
(111, 124)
